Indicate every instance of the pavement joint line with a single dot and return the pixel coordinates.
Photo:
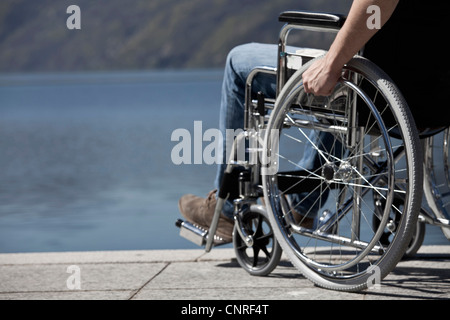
(63, 291)
(198, 259)
(89, 263)
(151, 278)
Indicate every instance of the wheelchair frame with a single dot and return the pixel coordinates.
(250, 188)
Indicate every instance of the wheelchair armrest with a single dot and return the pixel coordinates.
(313, 19)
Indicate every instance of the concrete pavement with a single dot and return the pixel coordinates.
(196, 275)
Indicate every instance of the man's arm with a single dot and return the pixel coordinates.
(321, 78)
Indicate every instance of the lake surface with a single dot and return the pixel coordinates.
(86, 162)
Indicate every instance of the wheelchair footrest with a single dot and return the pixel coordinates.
(192, 232)
(197, 234)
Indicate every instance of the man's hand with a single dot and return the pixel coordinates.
(321, 78)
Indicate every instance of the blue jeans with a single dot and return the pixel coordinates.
(240, 62)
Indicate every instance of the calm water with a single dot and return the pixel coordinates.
(86, 159)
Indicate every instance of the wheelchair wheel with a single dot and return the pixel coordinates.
(418, 234)
(264, 255)
(325, 159)
(437, 176)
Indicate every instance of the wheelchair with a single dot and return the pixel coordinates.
(348, 217)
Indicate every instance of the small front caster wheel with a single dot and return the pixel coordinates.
(264, 254)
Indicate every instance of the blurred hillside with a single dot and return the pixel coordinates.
(139, 34)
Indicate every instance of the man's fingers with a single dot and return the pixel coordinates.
(306, 86)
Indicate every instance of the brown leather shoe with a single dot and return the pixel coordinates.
(200, 212)
(299, 219)
(302, 221)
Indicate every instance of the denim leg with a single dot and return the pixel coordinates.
(240, 62)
